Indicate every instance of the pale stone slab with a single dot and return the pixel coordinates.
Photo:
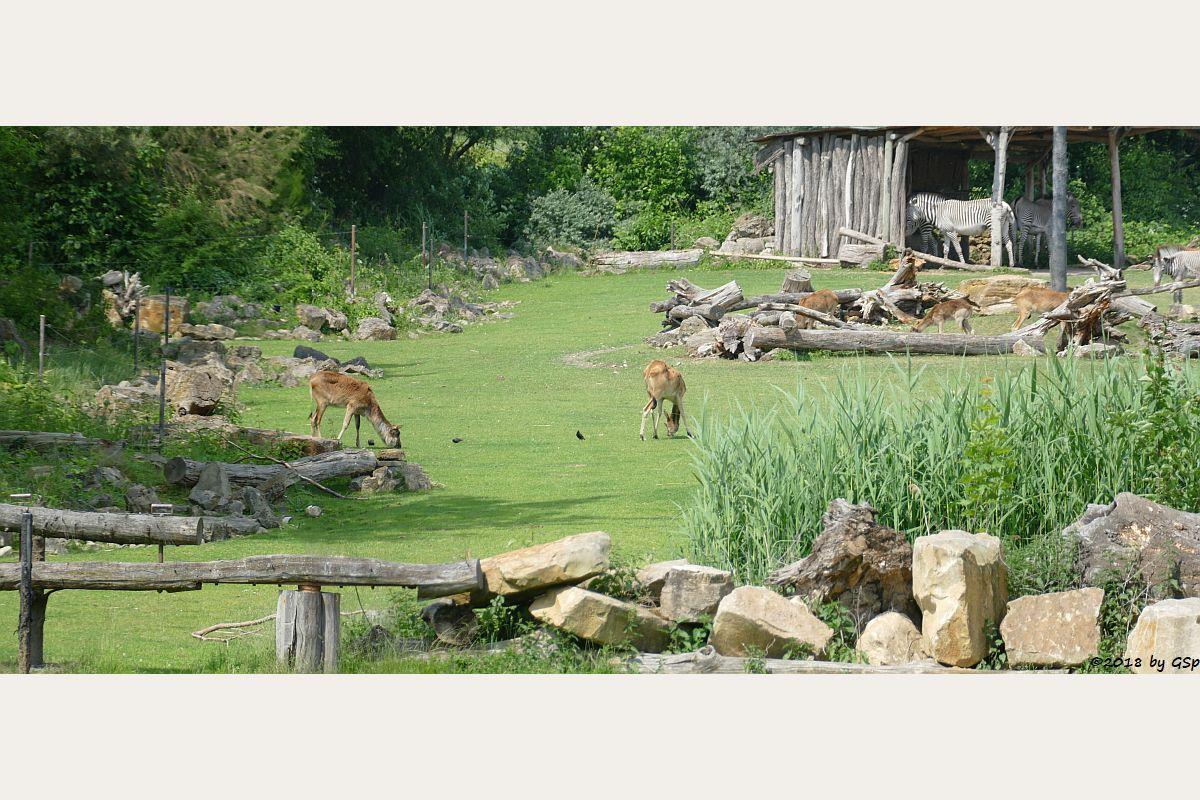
(960, 584)
(1060, 629)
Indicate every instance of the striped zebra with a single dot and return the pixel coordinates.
(1178, 262)
(955, 218)
(922, 209)
(1033, 219)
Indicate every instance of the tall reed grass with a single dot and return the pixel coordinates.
(1019, 455)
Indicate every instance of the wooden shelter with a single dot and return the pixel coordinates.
(861, 178)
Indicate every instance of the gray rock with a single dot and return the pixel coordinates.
(212, 491)
(336, 320)
(311, 316)
(375, 329)
(691, 592)
(312, 511)
(258, 507)
(490, 282)
(139, 498)
(304, 332)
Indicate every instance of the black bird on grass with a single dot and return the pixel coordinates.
(456, 440)
(579, 436)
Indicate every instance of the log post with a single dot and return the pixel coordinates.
(1058, 215)
(1118, 222)
(999, 142)
(885, 191)
(31, 621)
(308, 629)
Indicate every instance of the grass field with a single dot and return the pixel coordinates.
(514, 392)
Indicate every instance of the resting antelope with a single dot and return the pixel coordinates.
(946, 311)
(1036, 298)
(664, 383)
(341, 391)
(823, 300)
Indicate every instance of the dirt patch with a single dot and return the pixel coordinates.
(583, 359)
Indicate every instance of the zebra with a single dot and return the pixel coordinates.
(955, 218)
(1177, 261)
(919, 216)
(1033, 218)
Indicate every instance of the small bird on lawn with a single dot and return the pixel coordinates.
(579, 436)
(456, 440)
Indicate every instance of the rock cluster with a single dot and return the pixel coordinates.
(751, 234)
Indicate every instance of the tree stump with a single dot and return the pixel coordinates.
(308, 629)
(797, 280)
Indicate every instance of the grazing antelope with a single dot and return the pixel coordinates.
(1036, 299)
(823, 300)
(338, 390)
(947, 311)
(664, 383)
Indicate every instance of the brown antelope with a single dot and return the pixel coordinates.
(1036, 299)
(341, 391)
(664, 383)
(948, 311)
(823, 300)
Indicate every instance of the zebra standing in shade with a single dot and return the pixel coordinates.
(955, 218)
(1178, 262)
(922, 209)
(1033, 219)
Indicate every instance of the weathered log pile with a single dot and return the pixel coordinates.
(1176, 338)
(851, 318)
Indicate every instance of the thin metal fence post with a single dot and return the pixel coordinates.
(426, 261)
(41, 345)
(137, 331)
(464, 237)
(353, 256)
(162, 375)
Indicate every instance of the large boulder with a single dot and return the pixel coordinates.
(199, 388)
(212, 491)
(691, 592)
(601, 619)
(311, 316)
(889, 639)
(543, 566)
(960, 584)
(335, 320)
(865, 566)
(1060, 629)
(257, 507)
(376, 329)
(994, 294)
(753, 620)
(652, 576)
(305, 332)
(1135, 535)
(154, 312)
(206, 333)
(139, 498)
(1166, 633)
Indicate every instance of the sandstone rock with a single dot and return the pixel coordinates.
(189, 351)
(304, 332)
(1166, 633)
(154, 312)
(865, 566)
(652, 576)
(1097, 351)
(753, 620)
(1060, 629)
(707, 243)
(212, 491)
(391, 454)
(750, 225)
(374, 328)
(997, 289)
(415, 479)
(691, 592)
(960, 584)
(891, 638)
(601, 619)
(1021, 348)
(206, 333)
(139, 498)
(199, 388)
(543, 566)
(1156, 542)
(312, 511)
(311, 316)
(335, 320)
(381, 480)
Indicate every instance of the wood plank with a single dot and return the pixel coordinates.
(430, 580)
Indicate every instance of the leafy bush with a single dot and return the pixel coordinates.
(297, 268)
(646, 167)
(1056, 437)
(571, 217)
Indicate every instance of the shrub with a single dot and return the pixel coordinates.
(297, 268)
(1022, 456)
(566, 217)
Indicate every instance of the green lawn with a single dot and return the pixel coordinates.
(518, 477)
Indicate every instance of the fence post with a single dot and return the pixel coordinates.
(162, 375)
(41, 345)
(464, 237)
(308, 629)
(137, 331)
(672, 234)
(353, 256)
(426, 262)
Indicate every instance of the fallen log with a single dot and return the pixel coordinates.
(845, 297)
(797, 280)
(862, 237)
(708, 311)
(44, 440)
(180, 471)
(947, 262)
(791, 259)
(723, 297)
(1166, 287)
(859, 255)
(706, 661)
(650, 259)
(95, 526)
(308, 445)
(430, 580)
(886, 341)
